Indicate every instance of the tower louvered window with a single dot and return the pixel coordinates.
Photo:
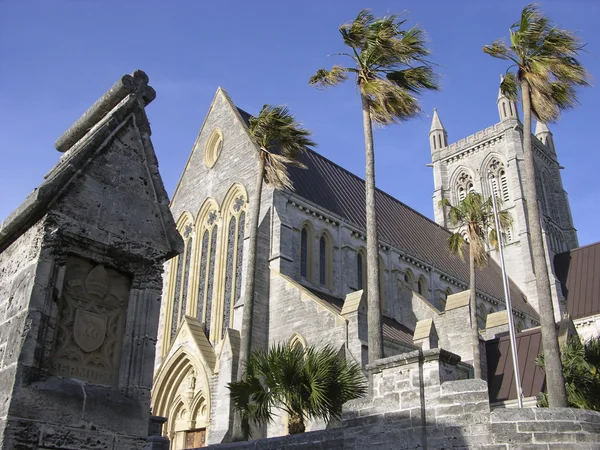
(499, 180)
(464, 185)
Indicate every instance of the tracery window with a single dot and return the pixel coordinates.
(464, 185)
(499, 180)
(210, 281)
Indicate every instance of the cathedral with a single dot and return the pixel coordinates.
(311, 261)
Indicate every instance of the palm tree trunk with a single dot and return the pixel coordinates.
(296, 424)
(248, 296)
(375, 338)
(557, 396)
(473, 314)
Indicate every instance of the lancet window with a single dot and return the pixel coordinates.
(178, 296)
(422, 287)
(361, 270)
(234, 257)
(306, 252)
(325, 260)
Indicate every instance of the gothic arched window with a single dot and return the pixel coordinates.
(361, 270)
(549, 198)
(464, 185)
(180, 278)
(229, 274)
(325, 260)
(409, 278)
(306, 252)
(497, 173)
(422, 287)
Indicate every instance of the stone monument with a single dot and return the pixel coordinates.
(81, 265)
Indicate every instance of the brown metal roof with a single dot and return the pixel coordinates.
(341, 192)
(501, 379)
(579, 273)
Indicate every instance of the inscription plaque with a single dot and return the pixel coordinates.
(91, 321)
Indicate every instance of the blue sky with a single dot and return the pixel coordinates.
(57, 58)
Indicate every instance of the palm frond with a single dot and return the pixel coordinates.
(414, 79)
(327, 78)
(388, 102)
(509, 86)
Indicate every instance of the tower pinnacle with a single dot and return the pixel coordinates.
(438, 137)
(543, 133)
(506, 108)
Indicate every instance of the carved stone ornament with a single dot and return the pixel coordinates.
(91, 322)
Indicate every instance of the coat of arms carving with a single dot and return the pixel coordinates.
(91, 321)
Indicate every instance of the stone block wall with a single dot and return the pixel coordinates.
(418, 401)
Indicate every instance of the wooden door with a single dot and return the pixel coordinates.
(195, 438)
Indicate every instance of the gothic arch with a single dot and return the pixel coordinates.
(179, 280)
(306, 251)
(325, 251)
(181, 393)
(495, 164)
(297, 339)
(409, 278)
(361, 269)
(462, 182)
(208, 223)
(422, 287)
(549, 196)
(382, 285)
(230, 250)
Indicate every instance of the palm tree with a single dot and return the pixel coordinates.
(389, 65)
(474, 219)
(306, 384)
(279, 141)
(581, 369)
(547, 72)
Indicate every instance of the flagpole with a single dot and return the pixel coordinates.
(511, 328)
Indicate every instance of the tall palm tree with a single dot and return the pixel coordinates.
(547, 72)
(306, 384)
(474, 219)
(389, 66)
(279, 140)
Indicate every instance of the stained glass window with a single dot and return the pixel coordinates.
(228, 275)
(176, 295)
(186, 276)
(211, 274)
(202, 283)
(240, 256)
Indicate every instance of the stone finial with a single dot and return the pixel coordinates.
(436, 123)
(136, 84)
(425, 334)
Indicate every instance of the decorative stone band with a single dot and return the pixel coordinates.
(136, 83)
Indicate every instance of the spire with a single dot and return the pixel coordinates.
(436, 123)
(438, 138)
(541, 127)
(500, 94)
(507, 109)
(543, 133)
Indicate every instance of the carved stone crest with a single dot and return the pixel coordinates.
(91, 322)
(89, 330)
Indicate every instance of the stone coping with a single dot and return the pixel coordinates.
(433, 354)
